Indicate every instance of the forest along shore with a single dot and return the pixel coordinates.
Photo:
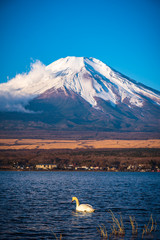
(108, 155)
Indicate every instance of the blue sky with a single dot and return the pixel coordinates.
(124, 34)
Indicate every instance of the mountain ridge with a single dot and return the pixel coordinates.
(78, 94)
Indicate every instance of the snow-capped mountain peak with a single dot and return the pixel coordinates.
(90, 78)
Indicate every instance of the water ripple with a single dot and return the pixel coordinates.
(35, 205)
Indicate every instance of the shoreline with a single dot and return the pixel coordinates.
(92, 171)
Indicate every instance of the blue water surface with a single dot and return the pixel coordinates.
(37, 205)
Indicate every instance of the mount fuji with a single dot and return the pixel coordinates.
(77, 94)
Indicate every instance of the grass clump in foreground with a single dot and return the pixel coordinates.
(60, 237)
(134, 225)
(150, 227)
(103, 232)
(117, 227)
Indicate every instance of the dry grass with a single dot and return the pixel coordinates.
(60, 237)
(117, 226)
(134, 225)
(150, 227)
(103, 232)
(18, 144)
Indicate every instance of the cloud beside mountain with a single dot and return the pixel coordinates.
(14, 94)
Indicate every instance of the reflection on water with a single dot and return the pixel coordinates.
(81, 214)
(35, 205)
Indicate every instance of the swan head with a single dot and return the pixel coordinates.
(74, 199)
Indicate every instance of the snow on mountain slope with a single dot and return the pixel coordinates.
(87, 77)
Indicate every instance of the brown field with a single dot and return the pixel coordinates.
(18, 144)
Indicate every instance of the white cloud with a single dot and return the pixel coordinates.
(17, 92)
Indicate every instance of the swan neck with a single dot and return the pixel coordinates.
(77, 202)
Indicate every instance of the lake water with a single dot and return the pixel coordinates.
(37, 205)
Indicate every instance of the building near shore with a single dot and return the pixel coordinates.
(46, 166)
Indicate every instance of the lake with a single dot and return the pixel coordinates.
(37, 205)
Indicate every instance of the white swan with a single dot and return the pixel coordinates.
(82, 207)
